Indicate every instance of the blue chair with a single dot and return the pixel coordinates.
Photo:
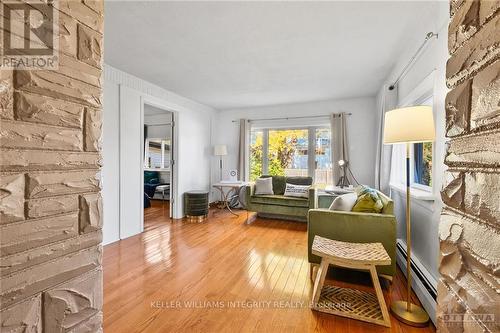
(151, 181)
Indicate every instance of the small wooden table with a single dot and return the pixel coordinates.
(348, 302)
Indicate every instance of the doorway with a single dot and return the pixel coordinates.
(158, 161)
(135, 110)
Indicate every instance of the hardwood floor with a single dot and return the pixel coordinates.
(221, 276)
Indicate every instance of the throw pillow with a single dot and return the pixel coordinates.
(264, 186)
(344, 202)
(368, 200)
(301, 191)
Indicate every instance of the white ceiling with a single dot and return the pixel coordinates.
(242, 54)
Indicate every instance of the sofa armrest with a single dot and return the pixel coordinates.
(313, 198)
(353, 227)
(249, 191)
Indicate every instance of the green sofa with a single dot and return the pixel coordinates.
(279, 206)
(357, 228)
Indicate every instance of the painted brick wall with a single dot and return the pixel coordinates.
(468, 292)
(50, 208)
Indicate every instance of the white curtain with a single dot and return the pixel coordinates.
(398, 164)
(243, 167)
(340, 151)
(388, 101)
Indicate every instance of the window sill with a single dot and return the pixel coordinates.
(415, 193)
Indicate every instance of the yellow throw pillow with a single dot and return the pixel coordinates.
(368, 201)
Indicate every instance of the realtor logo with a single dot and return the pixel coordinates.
(29, 35)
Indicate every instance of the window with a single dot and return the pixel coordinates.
(323, 173)
(157, 153)
(286, 152)
(422, 157)
(256, 154)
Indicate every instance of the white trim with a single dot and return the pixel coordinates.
(428, 302)
(311, 147)
(415, 193)
(174, 175)
(420, 187)
(421, 92)
(141, 174)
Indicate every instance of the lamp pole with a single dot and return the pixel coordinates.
(409, 125)
(408, 231)
(220, 167)
(407, 312)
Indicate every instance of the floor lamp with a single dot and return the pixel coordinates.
(343, 181)
(409, 125)
(220, 150)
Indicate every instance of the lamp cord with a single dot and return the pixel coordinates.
(354, 178)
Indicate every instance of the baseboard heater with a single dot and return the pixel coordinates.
(423, 283)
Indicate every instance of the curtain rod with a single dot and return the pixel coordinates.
(415, 56)
(288, 118)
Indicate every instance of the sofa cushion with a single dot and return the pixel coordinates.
(388, 204)
(264, 186)
(299, 180)
(368, 200)
(300, 191)
(279, 182)
(344, 202)
(279, 200)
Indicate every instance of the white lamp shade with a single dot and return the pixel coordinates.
(410, 124)
(220, 150)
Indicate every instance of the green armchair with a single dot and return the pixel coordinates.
(357, 228)
(279, 206)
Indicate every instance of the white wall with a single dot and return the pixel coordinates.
(425, 214)
(193, 125)
(131, 162)
(111, 162)
(361, 130)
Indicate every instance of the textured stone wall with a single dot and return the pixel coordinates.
(469, 289)
(50, 201)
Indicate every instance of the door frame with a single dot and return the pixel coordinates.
(160, 104)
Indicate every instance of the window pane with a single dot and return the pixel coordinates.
(154, 150)
(323, 174)
(256, 138)
(423, 163)
(288, 152)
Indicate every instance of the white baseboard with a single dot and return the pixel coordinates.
(423, 283)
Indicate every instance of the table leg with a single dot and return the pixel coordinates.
(320, 280)
(312, 267)
(225, 203)
(380, 296)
